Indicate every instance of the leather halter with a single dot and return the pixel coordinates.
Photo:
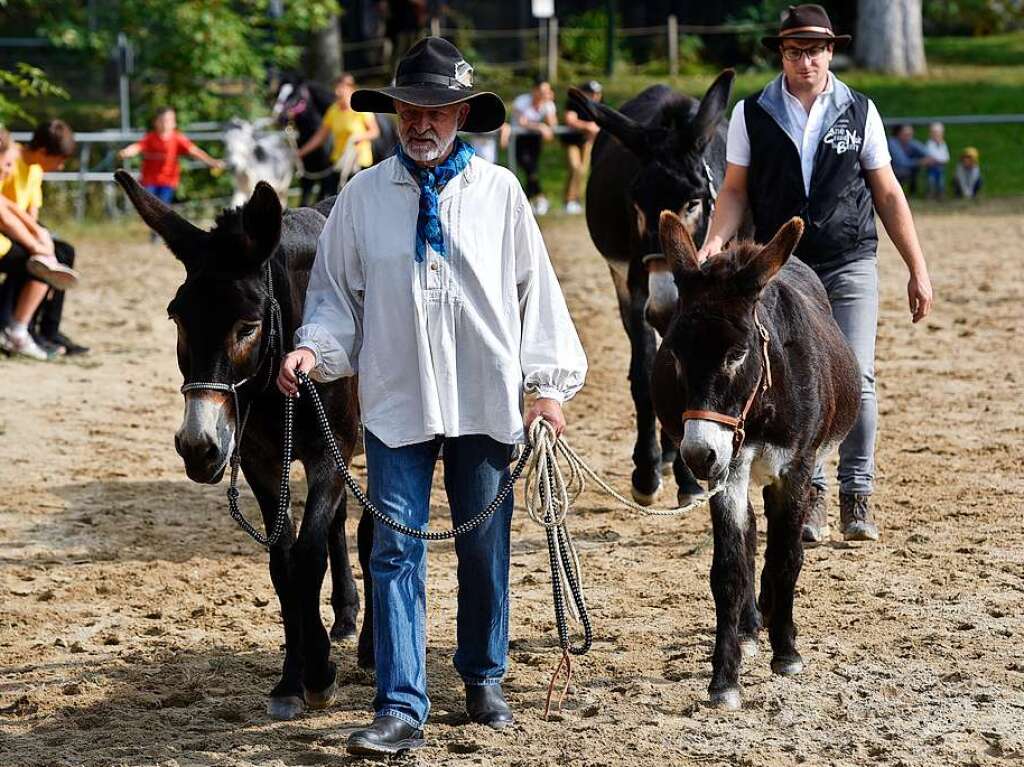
(764, 383)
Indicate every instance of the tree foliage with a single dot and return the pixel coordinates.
(203, 57)
(24, 82)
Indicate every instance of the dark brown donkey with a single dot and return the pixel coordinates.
(754, 381)
(661, 150)
(225, 313)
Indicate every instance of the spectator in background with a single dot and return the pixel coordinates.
(26, 257)
(967, 177)
(487, 145)
(349, 130)
(578, 145)
(52, 143)
(534, 112)
(160, 149)
(908, 155)
(938, 154)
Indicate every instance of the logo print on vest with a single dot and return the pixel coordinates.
(840, 138)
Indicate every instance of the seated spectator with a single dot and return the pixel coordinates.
(578, 145)
(967, 176)
(938, 153)
(26, 257)
(534, 112)
(908, 155)
(52, 143)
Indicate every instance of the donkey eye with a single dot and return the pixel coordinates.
(247, 330)
(692, 205)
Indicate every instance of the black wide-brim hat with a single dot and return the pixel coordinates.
(805, 22)
(434, 74)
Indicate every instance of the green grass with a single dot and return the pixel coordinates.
(995, 50)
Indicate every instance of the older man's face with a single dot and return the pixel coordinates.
(427, 133)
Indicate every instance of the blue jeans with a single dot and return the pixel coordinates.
(162, 193)
(853, 292)
(398, 483)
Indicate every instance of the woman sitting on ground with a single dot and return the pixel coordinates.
(26, 253)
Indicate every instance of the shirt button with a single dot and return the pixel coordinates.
(433, 266)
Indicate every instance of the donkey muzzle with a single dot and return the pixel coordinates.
(707, 449)
(206, 437)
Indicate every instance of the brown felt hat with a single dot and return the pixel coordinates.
(804, 22)
(433, 74)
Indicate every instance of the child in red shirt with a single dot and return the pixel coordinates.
(160, 149)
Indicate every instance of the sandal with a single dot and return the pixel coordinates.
(54, 274)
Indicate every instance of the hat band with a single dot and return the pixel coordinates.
(428, 78)
(798, 30)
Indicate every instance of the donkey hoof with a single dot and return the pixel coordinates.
(342, 631)
(727, 699)
(787, 665)
(285, 707)
(324, 698)
(748, 647)
(646, 499)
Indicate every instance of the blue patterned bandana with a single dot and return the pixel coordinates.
(432, 181)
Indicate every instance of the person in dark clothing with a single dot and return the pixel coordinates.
(809, 146)
(908, 156)
(534, 112)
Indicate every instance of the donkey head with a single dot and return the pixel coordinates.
(219, 311)
(672, 174)
(712, 337)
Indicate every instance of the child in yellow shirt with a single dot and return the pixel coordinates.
(348, 129)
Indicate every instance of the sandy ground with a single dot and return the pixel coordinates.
(139, 625)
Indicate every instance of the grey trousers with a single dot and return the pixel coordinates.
(853, 292)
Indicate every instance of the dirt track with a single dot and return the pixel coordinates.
(139, 627)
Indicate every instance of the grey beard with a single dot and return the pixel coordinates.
(441, 146)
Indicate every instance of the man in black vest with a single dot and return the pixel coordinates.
(807, 145)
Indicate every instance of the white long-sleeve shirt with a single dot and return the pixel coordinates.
(447, 345)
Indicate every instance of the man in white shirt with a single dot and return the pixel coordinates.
(807, 145)
(432, 282)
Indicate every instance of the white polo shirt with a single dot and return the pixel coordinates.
(874, 152)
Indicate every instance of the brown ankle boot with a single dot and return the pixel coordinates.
(856, 518)
(815, 528)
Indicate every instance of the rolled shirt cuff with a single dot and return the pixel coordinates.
(332, 361)
(548, 392)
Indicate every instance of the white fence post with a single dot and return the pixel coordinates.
(553, 49)
(435, 26)
(673, 45)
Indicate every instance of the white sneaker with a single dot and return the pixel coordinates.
(22, 346)
(573, 208)
(540, 206)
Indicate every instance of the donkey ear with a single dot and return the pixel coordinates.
(676, 243)
(630, 133)
(712, 107)
(261, 222)
(181, 237)
(773, 256)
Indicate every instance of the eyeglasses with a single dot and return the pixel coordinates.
(795, 54)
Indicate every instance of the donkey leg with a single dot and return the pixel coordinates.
(364, 537)
(750, 616)
(729, 512)
(344, 596)
(647, 450)
(783, 559)
(308, 568)
(286, 696)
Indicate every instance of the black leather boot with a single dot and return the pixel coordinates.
(486, 704)
(387, 735)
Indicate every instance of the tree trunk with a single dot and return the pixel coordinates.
(324, 52)
(889, 37)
